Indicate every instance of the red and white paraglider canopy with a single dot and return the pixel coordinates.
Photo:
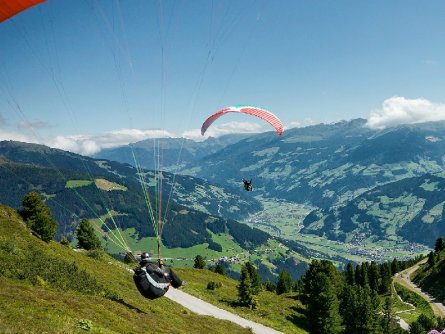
(9, 8)
(245, 109)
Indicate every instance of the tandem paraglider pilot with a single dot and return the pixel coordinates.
(153, 279)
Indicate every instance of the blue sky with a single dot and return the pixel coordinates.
(83, 75)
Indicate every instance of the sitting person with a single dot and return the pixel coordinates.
(154, 279)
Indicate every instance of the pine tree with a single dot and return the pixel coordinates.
(373, 276)
(255, 278)
(219, 269)
(38, 217)
(199, 262)
(270, 286)
(387, 315)
(350, 274)
(64, 241)
(358, 274)
(439, 245)
(431, 259)
(284, 283)
(323, 307)
(394, 267)
(364, 274)
(416, 328)
(86, 237)
(386, 279)
(349, 307)
(245, 290)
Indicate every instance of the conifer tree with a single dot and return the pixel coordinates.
(431, 259)
(86, 237)
(284, 283)
(358, 274)
(439, 245)
(387, 315)
(219, 269)
(373, 276)
(394, 267)
(364, 274)
(199, 262)
(254, 278)
(350, 274)
(323, 307)
(385, 279)
(245, 290)
(64, 241)
(38, 217)
(349, 307)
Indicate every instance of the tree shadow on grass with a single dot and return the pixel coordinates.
(231, 302)
(298, 318)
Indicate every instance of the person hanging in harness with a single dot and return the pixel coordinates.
(247, 184)
(154, 279)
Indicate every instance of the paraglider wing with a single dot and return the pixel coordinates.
(9, 8)
(251, 110)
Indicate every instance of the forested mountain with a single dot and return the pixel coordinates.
(334, 167)
(412, 208)
(76, 187)
(327, 164)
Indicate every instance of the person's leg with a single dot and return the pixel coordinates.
(175, 280)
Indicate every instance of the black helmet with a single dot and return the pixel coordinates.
(145, 256)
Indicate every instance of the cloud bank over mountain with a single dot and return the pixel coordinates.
(399, 110)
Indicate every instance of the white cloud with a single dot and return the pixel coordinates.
(298, 124)
(91, 144)
(224, 129)
(399, 110)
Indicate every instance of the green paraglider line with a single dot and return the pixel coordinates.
(145, 193)
(118, 230)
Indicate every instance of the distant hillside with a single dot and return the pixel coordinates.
(50, 288)
(66, 181)
(412, 208)
(327, 164)
(330, 166)
(199, 218)
(173, 152)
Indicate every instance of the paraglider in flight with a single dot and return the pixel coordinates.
(9, 8)
(245, 109)
(248, 185)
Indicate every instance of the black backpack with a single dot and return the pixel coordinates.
(151, 284)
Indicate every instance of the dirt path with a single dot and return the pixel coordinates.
(199, 306)
(438, 307)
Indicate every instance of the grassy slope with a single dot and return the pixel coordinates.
(432, 279)
(410, 296)
(35, 305)
(283, 312)
(39, 308)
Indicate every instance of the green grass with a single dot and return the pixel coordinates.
(422, 306)
(432, 278)
(283, 312)
(31, 302)
(35, 301)
(77, 183)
